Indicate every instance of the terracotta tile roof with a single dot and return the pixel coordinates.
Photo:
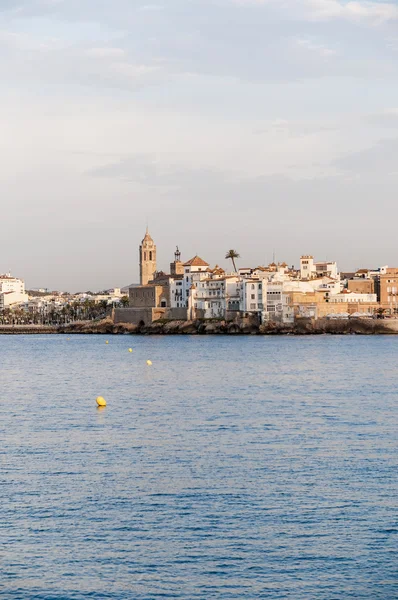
(196, 261)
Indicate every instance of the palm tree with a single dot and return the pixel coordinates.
(232, 254)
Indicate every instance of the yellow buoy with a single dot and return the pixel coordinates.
(106, 342)
(101, 401)
(149, 362)
(130, 349)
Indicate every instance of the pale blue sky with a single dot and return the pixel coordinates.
(255, 124)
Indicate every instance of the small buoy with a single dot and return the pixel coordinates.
(101, 401)
(130, 349)
(106, 342)
(149, 362)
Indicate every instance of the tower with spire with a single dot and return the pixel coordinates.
(177, 267)
(147, 259)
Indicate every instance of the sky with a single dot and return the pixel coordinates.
(267, 126)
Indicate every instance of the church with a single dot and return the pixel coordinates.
(162, 295)
(190, 291)
(150, 300)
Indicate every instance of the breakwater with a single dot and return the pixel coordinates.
(27, 329)
(214, 327)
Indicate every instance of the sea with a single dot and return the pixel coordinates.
(242, 467)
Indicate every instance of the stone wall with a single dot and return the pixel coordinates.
(176, 314)
(137, 316)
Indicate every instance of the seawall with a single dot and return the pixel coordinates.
(201, 327)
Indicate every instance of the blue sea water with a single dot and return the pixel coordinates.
(232, 468)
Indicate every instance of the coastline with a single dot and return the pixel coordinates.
(199, 327)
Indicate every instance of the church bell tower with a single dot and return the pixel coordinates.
(147, 259)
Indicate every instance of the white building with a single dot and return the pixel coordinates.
(194, 270)
(252, 292)
(10, 299)
(347, 296)
(11, 284)
(12, 291)
(309, 269)
(215, 295)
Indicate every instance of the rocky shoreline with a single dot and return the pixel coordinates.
(200, 327)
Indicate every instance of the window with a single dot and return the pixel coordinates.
(253, 306)
(252, 286)
(253, 296)
(150, 255)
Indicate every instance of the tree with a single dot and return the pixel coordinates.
(232, 254)
(124, 301)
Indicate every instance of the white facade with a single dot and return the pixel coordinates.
(327, 285)
(216, 295)
(11, 284)
(353, 297)
(195, 270)
(8, 299)
(252, 294)
(12, 291)
(309, 269)
(178, 298)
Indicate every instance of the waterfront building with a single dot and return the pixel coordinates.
(388, 290)
(11, 284)
(217, 295)
(12, 291)
(194, 270)
(252, 293)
